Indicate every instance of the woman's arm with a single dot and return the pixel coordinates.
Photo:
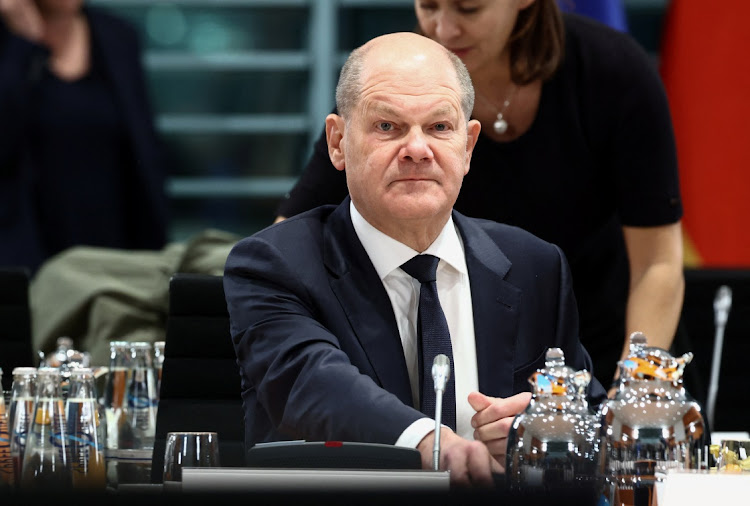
(657, 283)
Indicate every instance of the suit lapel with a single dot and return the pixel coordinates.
(365, 303)
(496, 307)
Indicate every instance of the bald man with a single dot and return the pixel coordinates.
(323, 317)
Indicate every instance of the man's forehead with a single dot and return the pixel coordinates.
(404, 44)
(408, 62)
(407, 50)
(415, 77)
(440, 106)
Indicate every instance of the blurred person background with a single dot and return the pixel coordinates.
(80, 161)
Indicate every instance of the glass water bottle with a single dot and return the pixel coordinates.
(115, 385)
(139, 413)
(6, 460)
(46, 459)
(21, 413)
(85, 432)
(158, 365)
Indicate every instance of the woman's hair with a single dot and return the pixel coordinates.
(537, 43)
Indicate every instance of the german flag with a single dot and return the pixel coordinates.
(705, 65)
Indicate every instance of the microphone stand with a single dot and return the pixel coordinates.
(438, 417)
(722, 304)
(441, 372)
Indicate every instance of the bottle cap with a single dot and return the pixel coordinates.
(24, 370)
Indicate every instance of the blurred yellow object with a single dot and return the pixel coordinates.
(729, 457)
(43, 417)
(715, 449)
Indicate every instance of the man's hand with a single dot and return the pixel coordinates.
(469, 462)
(493, 420)
(22, 17)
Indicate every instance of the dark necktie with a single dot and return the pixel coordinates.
(433, 337)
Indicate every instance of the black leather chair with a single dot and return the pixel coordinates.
(698, 334)
(200, 387)
(15, 322)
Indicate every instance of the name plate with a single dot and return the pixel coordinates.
(208, 479)
(703, 487)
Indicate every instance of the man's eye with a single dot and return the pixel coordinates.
(441, 127)
(385, 126)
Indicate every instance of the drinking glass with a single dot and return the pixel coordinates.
(188, 449)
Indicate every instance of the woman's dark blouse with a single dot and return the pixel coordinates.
(600, 154)
(80, 151)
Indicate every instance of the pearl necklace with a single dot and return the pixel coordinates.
(501, 124)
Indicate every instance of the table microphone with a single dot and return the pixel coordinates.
(722, 305)
(441, 373)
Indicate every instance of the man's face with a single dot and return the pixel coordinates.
(405, 147)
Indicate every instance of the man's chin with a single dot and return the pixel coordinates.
(422, 210)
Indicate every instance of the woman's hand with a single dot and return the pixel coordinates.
(22, 17)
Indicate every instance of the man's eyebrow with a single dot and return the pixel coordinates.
(444, 111)
(384, 109)
(387, 110)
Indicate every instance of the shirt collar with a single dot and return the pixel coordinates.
(387, 254)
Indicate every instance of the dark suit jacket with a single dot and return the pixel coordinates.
(317, 342)
(21, 238)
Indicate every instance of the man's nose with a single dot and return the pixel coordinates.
(416, 148)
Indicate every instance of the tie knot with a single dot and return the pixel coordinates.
(422, 267)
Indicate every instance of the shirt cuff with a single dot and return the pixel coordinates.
(415, 432)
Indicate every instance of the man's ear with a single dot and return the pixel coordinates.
(472, 135)
(335, 136)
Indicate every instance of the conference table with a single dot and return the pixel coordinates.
(680, 488)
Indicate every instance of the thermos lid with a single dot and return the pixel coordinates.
(651, 363)
(556, 378)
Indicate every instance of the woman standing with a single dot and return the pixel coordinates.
(80, 162)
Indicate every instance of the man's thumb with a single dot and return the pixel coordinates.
(479, 401)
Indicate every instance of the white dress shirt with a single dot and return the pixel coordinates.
(454, 292)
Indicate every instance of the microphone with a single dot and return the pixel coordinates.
(722, 305)
(441, 373)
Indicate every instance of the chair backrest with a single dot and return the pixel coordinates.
(15, 322)
(200, 386)
(701, 285)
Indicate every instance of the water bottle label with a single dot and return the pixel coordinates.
(19, 438)
(83, 419)
(81, 446)
(6, 459)
(139, 403)
(57, 439)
